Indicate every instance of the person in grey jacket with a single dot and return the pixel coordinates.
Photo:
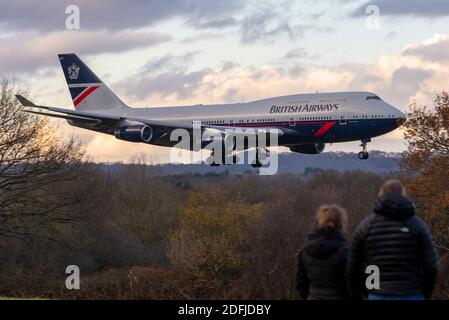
(399, 243)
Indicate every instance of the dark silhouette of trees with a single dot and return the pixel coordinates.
(34, 164)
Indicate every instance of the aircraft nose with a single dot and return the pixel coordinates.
(400, 119)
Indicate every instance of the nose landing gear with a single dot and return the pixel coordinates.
(363, 155)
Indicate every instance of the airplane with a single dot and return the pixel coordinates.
(305, 122)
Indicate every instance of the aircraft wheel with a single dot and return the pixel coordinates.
(363, 155)
(256, 164)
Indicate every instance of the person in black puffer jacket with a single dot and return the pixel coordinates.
(399, 243)
(322, 260)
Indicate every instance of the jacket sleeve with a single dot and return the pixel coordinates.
(302, 280)
(429, 260)
(356, 261)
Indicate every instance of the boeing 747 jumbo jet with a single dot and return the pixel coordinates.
(304, 122)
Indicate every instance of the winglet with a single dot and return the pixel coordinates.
(25, 102)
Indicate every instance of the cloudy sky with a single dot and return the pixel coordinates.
(163, 53)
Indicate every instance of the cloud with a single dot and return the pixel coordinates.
(27, 51)
(164, 76)
(169, 63)
(201, 37)
(399, 78)
(435, 49)
(296, 53)
(391, 35)
(219, 23)
(206, 14)
(409, 81)
(428, 8)
(227, 83)
(267, 24)
(112, 15)
(181, 84)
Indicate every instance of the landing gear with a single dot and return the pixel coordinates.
(226, 158)
(364, 155)
(211, 160)
(257, 163)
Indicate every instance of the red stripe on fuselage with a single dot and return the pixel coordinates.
(324, 129)
(83, 96)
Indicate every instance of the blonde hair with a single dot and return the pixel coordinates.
(331, 217)
(392, 186)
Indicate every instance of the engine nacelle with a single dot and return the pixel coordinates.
(134, 133)
(312, 148)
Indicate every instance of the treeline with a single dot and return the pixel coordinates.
(214, 236)
(152, 237)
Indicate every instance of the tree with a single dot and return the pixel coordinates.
(426, 164)
(209, 248)
(36, 167)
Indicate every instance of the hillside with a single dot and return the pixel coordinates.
(290, 163)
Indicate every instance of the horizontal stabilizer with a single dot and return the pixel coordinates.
(25, 102)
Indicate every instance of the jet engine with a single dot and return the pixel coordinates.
(312, 148)
(134, 133)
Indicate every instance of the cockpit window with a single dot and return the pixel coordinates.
(373, 98)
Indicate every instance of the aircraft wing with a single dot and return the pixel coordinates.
(108, 123)
(111, 120)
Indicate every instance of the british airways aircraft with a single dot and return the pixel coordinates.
(305, 122)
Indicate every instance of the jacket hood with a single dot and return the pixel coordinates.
(323, 242)
(394, 206)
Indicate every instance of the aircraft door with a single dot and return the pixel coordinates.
(291, 122)
(343, 119)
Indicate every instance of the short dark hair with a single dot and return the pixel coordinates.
(392, 186)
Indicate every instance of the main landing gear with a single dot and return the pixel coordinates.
(257, 163)
(363, 155)
(226, 158)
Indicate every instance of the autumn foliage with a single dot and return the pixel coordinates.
(208, 249)
(426, 164)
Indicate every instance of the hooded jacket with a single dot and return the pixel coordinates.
(399, 243)
(321, 266)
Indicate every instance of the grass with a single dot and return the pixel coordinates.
(14, 298)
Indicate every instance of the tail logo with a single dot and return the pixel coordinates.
(73, 71)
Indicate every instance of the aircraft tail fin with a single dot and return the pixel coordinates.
(88, 92)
